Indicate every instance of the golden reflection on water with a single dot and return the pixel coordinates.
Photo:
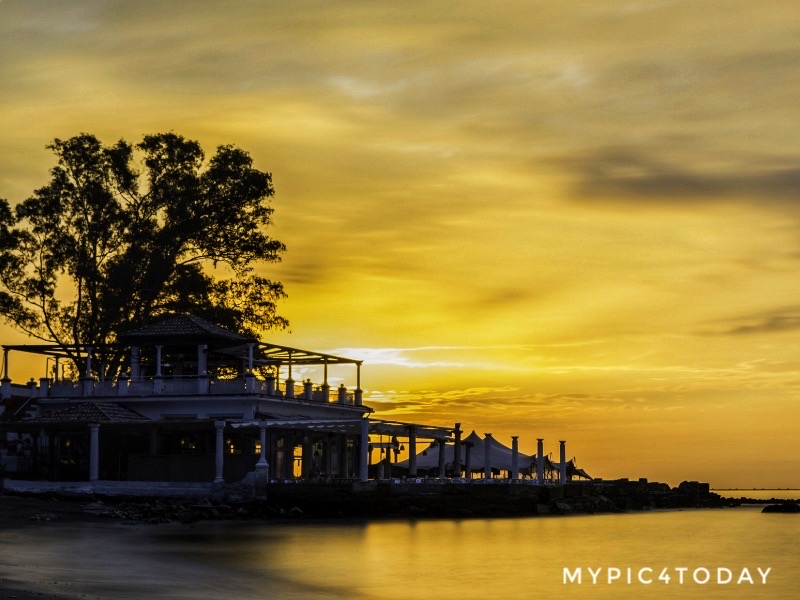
(525, 558)
(494, 559)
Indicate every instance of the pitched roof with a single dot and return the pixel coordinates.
(92, 412)
(183, 327)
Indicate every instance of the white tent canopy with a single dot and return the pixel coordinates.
(499, 455)
(499, 458)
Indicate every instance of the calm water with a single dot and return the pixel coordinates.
(469, 559)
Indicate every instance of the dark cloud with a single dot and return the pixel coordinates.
(778, 320)
(629, 174)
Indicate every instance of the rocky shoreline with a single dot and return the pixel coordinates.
(377, 499)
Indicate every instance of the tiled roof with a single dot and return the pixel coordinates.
(183, 326)
(92, 412)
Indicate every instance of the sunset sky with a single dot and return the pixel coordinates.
(572, 221)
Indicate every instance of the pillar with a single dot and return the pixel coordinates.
(87, 376)
(262, 464)
(305, 464)
(468, 460)
(342, 445)
(457, 451)
(342, 394)
(412, 451)
(289, 381)
(540, 460)
(487, 456)
(514, 457)
(135, 372)
(562, 477)
(5, 385)
(158, 361)
(158, 383)
(358, 394)
(94, 452)
(220, 451)
(363, 452)
(122, 384)
(442, 457)
(270, 385)
(88, 373)
(5, 363)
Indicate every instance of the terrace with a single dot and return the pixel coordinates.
(185, 356)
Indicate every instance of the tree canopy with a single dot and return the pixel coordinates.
(126, 233)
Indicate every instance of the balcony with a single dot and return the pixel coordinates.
(190, 386)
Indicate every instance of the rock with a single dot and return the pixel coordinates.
(43, 517)
(784, 507)
(95, 508)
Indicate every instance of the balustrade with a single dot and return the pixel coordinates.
(189, 386)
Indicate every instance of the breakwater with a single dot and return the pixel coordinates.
(398, 498)
(434, 498)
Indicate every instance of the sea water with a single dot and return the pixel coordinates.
(729, 553)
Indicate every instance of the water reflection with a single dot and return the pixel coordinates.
(504, 558)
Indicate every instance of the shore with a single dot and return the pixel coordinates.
(28, 512)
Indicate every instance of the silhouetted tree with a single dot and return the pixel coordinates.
(123, 234)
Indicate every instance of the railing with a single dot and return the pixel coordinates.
(188, 386)
(66, 389)
(227, 386)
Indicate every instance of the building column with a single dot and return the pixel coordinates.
(442, 457)
(457, 451)
(219, 452)
(358, 393)
(158, 380)
(250, 377)
(122, 384)
(289, 383)
(341, 442)
(487, 456)
(363, 452)
(468, 460)
(562, 478)
(262, 460)
(135, 372)
(87, 376)
(514, 457)
(540, 460)
(5, 386)
(94, 452)
(158, 361)
(307, 457)
(202, 368)
(325, 388)
(412, 451)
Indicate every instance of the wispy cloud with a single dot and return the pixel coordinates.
(785, 319)
(635, 175)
